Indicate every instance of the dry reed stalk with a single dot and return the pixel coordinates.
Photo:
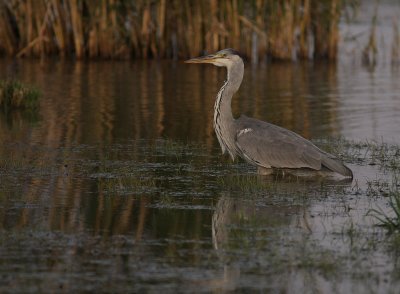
(211, 36)
(6, 31)
(161, 9)
(197, 29)
(38, 15)
(188, 32)
(395, 54)
(236, 23)
(260, 22)
(325, 15)
(161, 28)
(304, 29)
(76, 24)
(38, 44)
(106, 38)
(59, 28)
(333, 28)
(30, 22)
(145, 31)
(281, 30)
(92, 28)
(133, 35)
(370, 51)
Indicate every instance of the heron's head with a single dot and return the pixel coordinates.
(225, 57)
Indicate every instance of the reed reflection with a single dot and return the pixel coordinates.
(107, 101)
(300, 98)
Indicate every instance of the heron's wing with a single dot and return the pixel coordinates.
(271, 146)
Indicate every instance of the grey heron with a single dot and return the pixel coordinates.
(263, 144)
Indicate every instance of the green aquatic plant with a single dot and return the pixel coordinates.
(382, 154)
(15, 95)
(391, 223)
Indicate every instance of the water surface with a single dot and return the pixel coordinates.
(119, 185)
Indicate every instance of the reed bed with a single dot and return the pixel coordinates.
(260, 29)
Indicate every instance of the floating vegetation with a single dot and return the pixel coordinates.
(170, 29)
(15, 95)
(382, 154)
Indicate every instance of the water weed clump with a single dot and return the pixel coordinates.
(382, 154)
(15, 95)
(391, 223)
(387, 156)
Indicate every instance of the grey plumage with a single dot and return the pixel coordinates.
(260, 143)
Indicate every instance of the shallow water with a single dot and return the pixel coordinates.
(143, 215)
(119, 185)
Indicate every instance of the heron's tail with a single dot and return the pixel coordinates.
(335, 165)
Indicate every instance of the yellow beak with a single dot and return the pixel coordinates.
(202, 59)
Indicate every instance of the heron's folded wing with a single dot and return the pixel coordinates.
(272, 146)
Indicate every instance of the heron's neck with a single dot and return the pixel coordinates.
(222, 108)
(223, 117)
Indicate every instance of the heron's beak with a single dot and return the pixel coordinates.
(202, 59)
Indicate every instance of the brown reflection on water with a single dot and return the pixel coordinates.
(300, 97)
(100, 103)
(105, 101)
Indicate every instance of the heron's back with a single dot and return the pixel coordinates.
(268, 145)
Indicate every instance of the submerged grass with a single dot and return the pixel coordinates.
(390, 222)
(382, 154)
(244, 183)
(386, 158)
(280, 228)
(144, 165)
